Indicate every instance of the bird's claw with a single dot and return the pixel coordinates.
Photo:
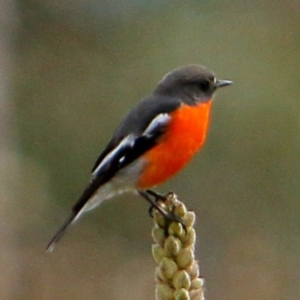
(154, 204)
(157, 197)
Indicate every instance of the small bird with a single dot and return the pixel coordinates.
(154, 141)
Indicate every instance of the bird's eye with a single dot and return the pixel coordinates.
(204, 85)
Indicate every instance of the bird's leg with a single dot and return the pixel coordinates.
(153, 203)
(169, 217)
(157, 195)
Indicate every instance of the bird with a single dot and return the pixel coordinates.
(155, 140)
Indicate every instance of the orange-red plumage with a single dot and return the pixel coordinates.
(184, 137)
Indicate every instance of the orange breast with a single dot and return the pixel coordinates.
(184, 137)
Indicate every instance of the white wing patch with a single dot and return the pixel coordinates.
(159, 121)
(127, 141)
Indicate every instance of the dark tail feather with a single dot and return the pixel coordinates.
(77, 209)
(61, 232)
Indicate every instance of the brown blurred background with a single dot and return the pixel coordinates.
(71, 69)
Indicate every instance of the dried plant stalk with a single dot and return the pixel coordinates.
(177, 273)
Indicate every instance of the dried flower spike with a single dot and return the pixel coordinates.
(177, 273)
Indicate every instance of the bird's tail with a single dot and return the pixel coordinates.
(86, 202)
(73, 216)
(81, 206)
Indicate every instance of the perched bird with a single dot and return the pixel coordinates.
(155, 140)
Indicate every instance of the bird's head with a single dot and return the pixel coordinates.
(192, 83)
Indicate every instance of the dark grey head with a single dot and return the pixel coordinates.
(192, 83)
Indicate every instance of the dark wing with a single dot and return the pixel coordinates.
(137, 133)
(127, 151)
(137, 120)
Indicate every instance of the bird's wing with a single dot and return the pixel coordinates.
(128, 150)
(136, 134)
(138, 120)
(132, 147)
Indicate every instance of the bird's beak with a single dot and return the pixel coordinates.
(222, 83)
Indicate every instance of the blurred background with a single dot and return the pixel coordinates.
(70, 70)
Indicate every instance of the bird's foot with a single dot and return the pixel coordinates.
(157, 197)
(155, 204)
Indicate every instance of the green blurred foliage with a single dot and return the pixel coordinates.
(79, 68)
